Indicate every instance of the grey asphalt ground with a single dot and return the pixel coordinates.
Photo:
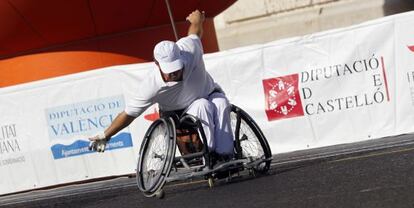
(375, 173)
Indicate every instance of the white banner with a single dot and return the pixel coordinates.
(329, 88)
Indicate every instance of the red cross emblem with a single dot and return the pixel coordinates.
(282, 97)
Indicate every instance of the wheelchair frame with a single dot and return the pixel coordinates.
(206, 169)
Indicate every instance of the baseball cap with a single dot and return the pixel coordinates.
(168, 56)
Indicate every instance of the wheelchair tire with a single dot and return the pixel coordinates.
(250, 141)
(156, 156)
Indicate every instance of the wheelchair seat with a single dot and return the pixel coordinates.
(188, 140)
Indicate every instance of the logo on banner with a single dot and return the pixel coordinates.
(282, 97)
(10, 145)
(286, 99)
(69, 126)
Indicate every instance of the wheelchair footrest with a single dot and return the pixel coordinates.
(183, 163)
(255, 163)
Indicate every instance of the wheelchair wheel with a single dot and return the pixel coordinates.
(156, 156)
(250, 141)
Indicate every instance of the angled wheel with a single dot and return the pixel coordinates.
(156, 156)
(250, 141)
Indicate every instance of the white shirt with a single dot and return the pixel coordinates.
(197, 83)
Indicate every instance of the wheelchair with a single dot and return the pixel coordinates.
(157, 155)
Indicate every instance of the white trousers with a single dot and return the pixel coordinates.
(214, 114)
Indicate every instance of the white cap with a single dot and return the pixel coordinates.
(168, 56)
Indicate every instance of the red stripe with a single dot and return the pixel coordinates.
(385, 78)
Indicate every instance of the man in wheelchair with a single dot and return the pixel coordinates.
(180, 84)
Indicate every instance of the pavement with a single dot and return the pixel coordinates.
(373, 173)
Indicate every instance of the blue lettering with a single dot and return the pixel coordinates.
(82, 125)
(63, 114)
(89, 109)
(74, 111)
(115, 104)
(94, 123)
(64, 129)
(55, 130)
(100, 107)
(102, 120)
(83, 110)
(52, 116)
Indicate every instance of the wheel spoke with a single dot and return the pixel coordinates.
(156, 156)
(249, 141)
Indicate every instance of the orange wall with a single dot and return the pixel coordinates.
(115, 49)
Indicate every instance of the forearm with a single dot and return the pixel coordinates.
(196, 28)
(121, 121)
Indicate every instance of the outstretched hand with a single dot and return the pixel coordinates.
(98, 143)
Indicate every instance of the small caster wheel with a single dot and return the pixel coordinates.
(229, 178)
(211, 182)
(252, 172)
(160, 194)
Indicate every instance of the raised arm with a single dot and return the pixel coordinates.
(196, 18)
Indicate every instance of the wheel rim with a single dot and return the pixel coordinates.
(250, 144)
(156, 155)
(252, 141)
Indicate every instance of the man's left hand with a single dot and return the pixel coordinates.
(196, 17)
